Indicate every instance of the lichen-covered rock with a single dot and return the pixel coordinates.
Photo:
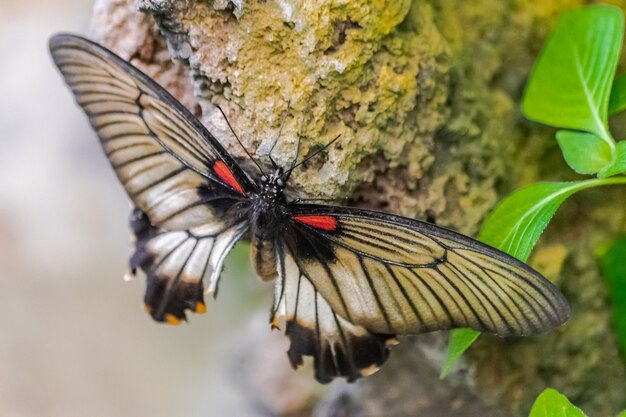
(134, 36)
(425, 95)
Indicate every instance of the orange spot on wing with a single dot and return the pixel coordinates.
(171, 319)
(319, 222)
(227, 176)
(276, 321)
(391, 342)
(372, 369)
(200, 308)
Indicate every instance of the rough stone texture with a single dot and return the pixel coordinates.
(425, 95)
(118, 25)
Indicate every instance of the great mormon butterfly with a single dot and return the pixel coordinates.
(347, 280)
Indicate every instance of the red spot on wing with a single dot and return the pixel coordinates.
(319, 222)
(227, 176)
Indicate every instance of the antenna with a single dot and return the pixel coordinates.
(237, 137)
(280, 131)
(295, 165)
(306, 112)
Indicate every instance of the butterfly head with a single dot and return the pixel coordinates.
(274, 183)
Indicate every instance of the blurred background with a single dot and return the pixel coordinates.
(73, 338)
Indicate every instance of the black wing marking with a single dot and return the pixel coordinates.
(391, 274)
(172, 168)
(176, 264)
(338, 348)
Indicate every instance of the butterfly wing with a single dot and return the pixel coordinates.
(394, 275)
(175, 263)
(188, 190)
(338, 347)
(172, 168)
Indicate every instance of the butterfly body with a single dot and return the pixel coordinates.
(269, 217)
(346, 280)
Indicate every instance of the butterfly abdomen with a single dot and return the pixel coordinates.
(268, 214)
(264, 258)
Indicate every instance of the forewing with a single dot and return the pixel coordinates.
(392, 274)
(338, 348)
(172, 168)
(176, 263)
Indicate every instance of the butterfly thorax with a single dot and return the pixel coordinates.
(267, 214)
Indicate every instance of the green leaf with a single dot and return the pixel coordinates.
(614, 271)
(460, 340)
(584, 152)
(518, 221)
(618, 166)
(622, 414)
(514, 227)
(617, 101)
(551, 403)
(571, 82)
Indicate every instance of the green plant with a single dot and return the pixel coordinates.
(551, 403)
(572, 87)
(614, 270)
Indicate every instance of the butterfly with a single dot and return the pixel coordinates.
(346, 280)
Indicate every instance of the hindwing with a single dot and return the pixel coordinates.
(176, 263)
(338, 347)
